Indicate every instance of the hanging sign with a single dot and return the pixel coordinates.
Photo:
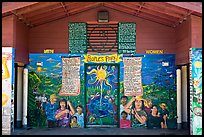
(70, 77)
(132, 76)
(115, 58)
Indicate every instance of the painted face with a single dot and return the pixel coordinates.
(138, 103)
(79, 110)
(123, 101)
(154, 109)
(63, 105)
(163, 107)
(74, 119)
(124, 116)
(150, 103)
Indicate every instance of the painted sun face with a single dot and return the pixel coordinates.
(101, 76)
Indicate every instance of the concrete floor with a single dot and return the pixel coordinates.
(99, 131)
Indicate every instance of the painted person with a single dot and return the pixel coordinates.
(63, 115)
(148, 106)
(164, 113)
(123, 101)
(155, 120)
(139, 116)
(124, 122)
(74, 123)
(50, 109)
(80, 116)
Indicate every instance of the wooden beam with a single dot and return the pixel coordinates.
(65, 10)
(84, 8)
(130, 12)
(161, 10)
(21, 18)
(188, 6)
(45, 16)
(47, 10)
(140, 7)
(49, 16)
(151, 13)
(50, 20)
(70, 12)
(10, 6)
(36, 7)
(169, 8)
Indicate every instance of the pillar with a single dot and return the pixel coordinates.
(19, 96)
(179, 116)
(25, 96)
(184, 96)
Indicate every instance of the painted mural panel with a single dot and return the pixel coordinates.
(196, 91)
(7, 90)
(45, 104)
(102, 95)
(156, 108)
(101, 101)
(102, 89)
(71, 76)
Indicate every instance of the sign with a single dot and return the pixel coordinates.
(48, 50)
(70, 77)
(132, 76)
(102, 58)
(154, 51)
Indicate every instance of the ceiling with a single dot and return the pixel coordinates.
(166, 13)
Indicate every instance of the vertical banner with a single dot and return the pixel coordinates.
(132, 76)
(196, 91)
(7, 90)
(70, 77)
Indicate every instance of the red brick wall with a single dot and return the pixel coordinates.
(149, 35)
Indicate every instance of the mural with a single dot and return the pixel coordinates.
(7, 90)
(156, 108)
(45, 83)
(102, 94)
(101, 101)
(196, 90)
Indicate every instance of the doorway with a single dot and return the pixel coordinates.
(102, 95)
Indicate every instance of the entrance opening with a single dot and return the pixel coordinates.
(102, 95)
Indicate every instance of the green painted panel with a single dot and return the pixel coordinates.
(77, 38)
(127, 38)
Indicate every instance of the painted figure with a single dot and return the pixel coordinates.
(155, 120)
(124, 122)
(74, 123)
(5, 71)
(63, 114)
(139, 116)
(123, 100)
(50, 110)
(148, 106)
(164, 113)
(80, 116)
